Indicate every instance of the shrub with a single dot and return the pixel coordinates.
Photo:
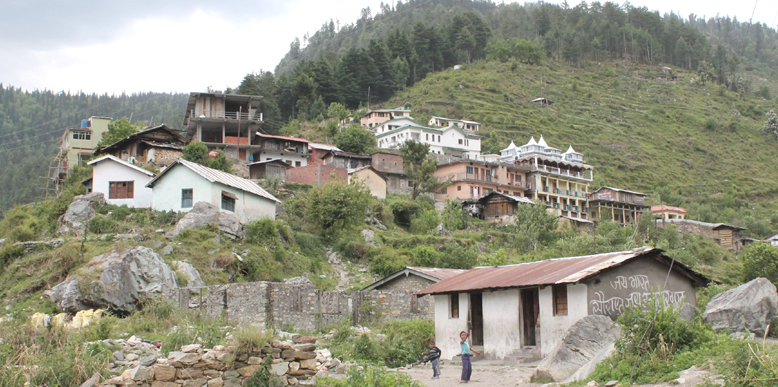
(404, 210)
(249, 339)
(336, 207)
(387, 261)
(425, 222)
(760, 260)
(371, 377)
(454, 217)
(711, 124)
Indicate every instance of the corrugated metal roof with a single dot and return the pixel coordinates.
(283, 137)
(617, 189)
(703, 224)
(122, 162)
(548, 272)
(216, 176)
(514, 198)
(433, 274)
(327, 147)
(437, 272)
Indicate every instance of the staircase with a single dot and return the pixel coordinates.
(523, 356)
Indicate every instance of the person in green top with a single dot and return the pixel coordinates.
(467, 368)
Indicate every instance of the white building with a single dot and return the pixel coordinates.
(444, 141)
(122, 183)
(185, 183)
(466, 125)
(772, 239)
(291, 150)
(524, 310)
(395, 123)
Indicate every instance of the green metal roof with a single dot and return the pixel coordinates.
(441, 130)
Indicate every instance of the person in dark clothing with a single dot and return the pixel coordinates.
(434, 357)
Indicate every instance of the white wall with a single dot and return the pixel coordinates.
(108, 170)
(553, 328)
(285, 156)
(248, 207)
(167, 190)
(501, 323)
(447, 329)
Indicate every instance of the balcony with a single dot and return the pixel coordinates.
(243, 116)
(585, 175)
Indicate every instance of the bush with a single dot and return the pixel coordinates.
(454, 217)
(387, 261)
(404, 210)
(760, 260)
(711, 124)
(334, 208)
(249, 339)
(371, 377)
(425, 222)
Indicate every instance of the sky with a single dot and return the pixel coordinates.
(190, 45)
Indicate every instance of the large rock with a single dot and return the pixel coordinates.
(80, 212)
(191, 274)
(206, 213)
(115, 281)
(750, 306)
(582, 342)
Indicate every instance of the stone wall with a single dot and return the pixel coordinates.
(294, 363)
(273, 304)
(316, 174)
(408, 283)
(163, 156)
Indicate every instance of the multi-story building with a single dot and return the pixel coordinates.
(394, 123)
(561, 180)
(291, 150)
(466, 125)
(390, 164)
(377, 117)
(473, 179)
(224, 121)
(442, 141)
(78, 144)
(618, 205)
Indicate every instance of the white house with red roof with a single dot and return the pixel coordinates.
(668, 212)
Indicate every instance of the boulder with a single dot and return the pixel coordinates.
(192, 276)
(580, 344)
(750, 306)
(299, 281)
(442, 231)
(94, 381)
(369, 236)
(115, 280)
(206, 213)
(80, 212)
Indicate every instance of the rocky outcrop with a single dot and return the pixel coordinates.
(192, 275)
(582, 343)
(750, 306)
(80, 212)
(206, 213)
(114, 281)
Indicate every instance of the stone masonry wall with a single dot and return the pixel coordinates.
(301, 307)
(409, 283)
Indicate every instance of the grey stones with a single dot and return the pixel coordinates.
(206, 213)
(115, 281)
(583, 342)
(189, 272)
(750, 306)
(299, 281)
(441, 230)
(369, 236)
(80, 212)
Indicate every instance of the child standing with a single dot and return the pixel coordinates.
(467, 368)
(434, 357)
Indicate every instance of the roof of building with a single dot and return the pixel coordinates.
(377, 172)
(433, 274)
(663, 208)
(253, 100)
(216, 176)
(273, 161)
(456, 120)
(771, 236)
(552, 271)
(386, 111)
(283, 138)
(122, 162)
(511, 197)
(579, 220)
(440, 130)
(327, 147)
(542, 142)
(619, 190)
(340, 153)
(713, 226)
(163, 127)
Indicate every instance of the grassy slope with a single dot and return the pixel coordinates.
(637, 132)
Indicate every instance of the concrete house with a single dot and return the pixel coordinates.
(372, 179)
(377, 117)
(772, 239)
(158, 146)
(452, 140)
(466, 125)
(122, 183)
(523, 310)
(413, 278)
(78, 144)
(292, 150)
(390, 164)
(618, 205)
(472, 179)
(185, 183)
(668, 212)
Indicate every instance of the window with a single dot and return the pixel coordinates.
(459, 188)
(454, 305)
(460, 141)
(469, 170)
(82, 135)
(427, 136)
(121, 190)
(186, 198)
(228, 201)
(487, 191)
(560, 300)
(298, 163)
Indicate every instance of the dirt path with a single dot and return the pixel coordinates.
(484, 374)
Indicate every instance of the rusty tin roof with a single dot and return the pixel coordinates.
(549, 272)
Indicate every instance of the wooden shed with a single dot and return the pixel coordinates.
(268, 168)
(497, 205)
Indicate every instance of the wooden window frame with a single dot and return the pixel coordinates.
(453, 305)
(121, 190)
(560, 298)
(228, 200)
(184, 197)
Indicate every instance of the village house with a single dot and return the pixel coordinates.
(443, 141)
(315, 174)
(413, 278)
(274, 168)
(224, 121)
(185, 183)
(444, 122)
(726, 235)
(78, 144)
(497, 207)
(390, 164)
(373, 180)
(346, 160)
(319, 150)
(395, 123)
(473, 179)
(377, 117)
(158, 146)
(668, 212)
(561, 180)
(292, 150)
(617, 205)
(523, 310)
(122, 183)
(772, 239)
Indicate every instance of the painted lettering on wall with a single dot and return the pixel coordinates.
(643, 293)
(632, 282)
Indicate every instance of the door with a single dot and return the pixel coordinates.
(529, 316)
(476, 319)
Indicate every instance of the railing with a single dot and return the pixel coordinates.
(557, 171)
(228, 115)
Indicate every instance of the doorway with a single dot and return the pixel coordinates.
(476, 319)
(529, 316)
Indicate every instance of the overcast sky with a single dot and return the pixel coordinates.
(188, 45)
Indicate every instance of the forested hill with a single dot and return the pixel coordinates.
(32, 122)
